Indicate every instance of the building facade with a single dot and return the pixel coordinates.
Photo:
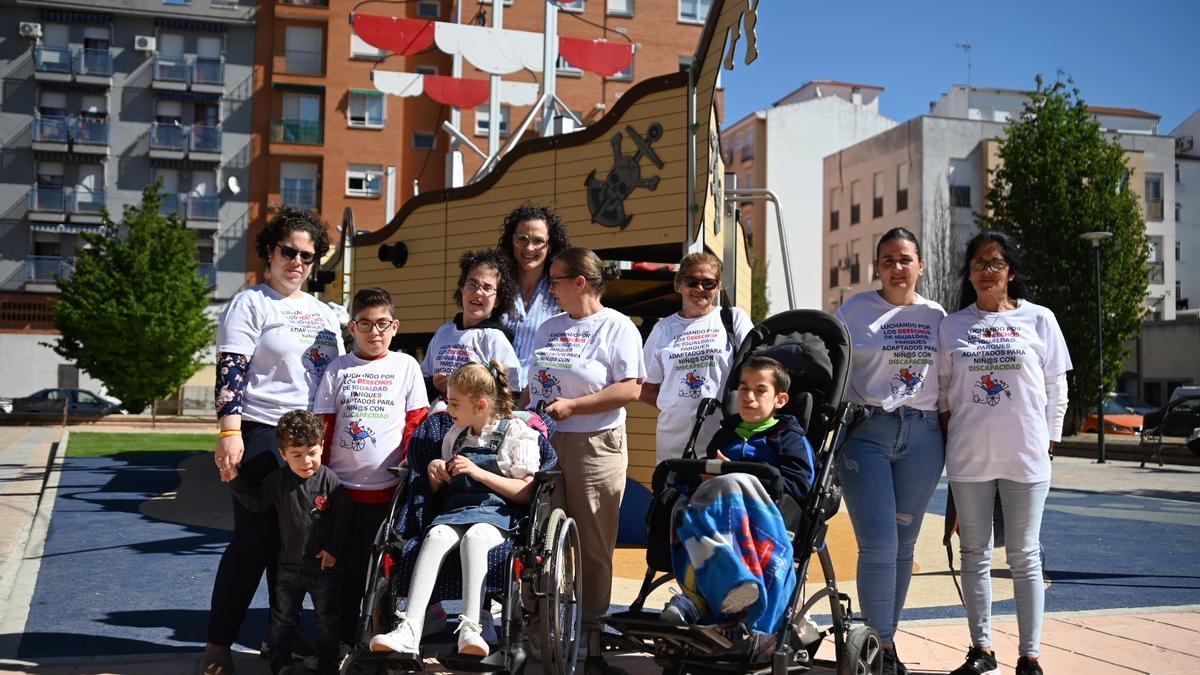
(1187, 214)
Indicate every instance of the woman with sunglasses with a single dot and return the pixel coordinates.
(530, 237)
(274, 342)
(893, 460)
(1003, 368)
(688, 355)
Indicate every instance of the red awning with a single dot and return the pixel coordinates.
(403, 36)
(596, 56)
(456, 91)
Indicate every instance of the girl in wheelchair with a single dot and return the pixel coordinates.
(482, 483)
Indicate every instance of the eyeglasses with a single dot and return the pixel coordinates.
(524, 240)
(382, 325)
(290, 253)
(993, 265)
(473, 286)
(706, 284)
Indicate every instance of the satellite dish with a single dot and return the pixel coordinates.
(234, 186)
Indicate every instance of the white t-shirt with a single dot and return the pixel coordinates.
(452, 347)
(289, 341)
(577, 357)
(370, 399)
(895, 351)
(519, 454)
(997, 365)
(690, 359)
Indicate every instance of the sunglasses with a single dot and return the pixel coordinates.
(290, 253)
(706, 284)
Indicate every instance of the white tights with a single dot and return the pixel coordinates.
(476, 541)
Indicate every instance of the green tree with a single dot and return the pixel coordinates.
(132, 314)
(759, 305)
(1060, 177)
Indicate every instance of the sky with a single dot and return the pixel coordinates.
(1142, 54)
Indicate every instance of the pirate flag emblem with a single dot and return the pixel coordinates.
(606, 198)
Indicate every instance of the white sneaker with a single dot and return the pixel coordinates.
(402, 640)
(470, 638)
(738, 599)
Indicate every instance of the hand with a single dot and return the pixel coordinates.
(462, 466)
(1051, 450)
(229, 474)
(229, 452)
(721, 456)
(438, 475)
(327, 559)
(560, 408)
(439, 381)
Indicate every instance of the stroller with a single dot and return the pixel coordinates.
(815, 348)
(533, 575)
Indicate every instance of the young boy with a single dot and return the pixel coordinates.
(371, 400)
(311, 507)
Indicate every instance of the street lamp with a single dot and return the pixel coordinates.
(1097, 238)
(842, 293)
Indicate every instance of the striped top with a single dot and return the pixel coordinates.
(524, 323)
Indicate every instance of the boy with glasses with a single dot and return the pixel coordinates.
(371, 399)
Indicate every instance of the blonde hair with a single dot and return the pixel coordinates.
(694, 260)
(490, 381)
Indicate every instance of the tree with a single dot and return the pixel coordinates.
(759, 305)
(132, 315)
(942, 252)
(1061, 177)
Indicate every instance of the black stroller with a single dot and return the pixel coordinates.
(815, 348)
(534, 575)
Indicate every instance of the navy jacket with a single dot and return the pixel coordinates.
(783, 445)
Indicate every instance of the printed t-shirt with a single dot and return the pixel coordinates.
(690, 360)
(290, 342)
(998, 364)
(895, 351)
(577, 357)
(370, 399)
(453, 347)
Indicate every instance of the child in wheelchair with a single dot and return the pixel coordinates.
(482, 484)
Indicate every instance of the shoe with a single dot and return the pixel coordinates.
(1028, 665)
(435, 620)
(741, 597)
(402, 639)
(470, 640)
(217, 660)
(979, 662)
(891, 663)
(680, 610)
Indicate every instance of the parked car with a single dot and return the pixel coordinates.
(1180, 416)
(79, 402)
(1117, 420)
(1131, 402)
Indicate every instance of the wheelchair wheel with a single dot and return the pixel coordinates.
(559, 610)
(862, 653)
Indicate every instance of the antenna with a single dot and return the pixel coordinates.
(966, 47)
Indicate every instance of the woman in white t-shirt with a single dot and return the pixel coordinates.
(688, 356)
(1004, 370)
(587, 366)
(892, 463)
(273, 344)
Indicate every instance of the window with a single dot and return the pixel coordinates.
(366, 108)
(303, 50)
(482, 117)
(564, 67)
(694, 11)
(833, 266)
(1176, 172)
(855, 270)
(359, 49)
(746, 145)
(364, 180)
(423, 140)
(835, 201)
(298, 185)
(855, 209)
(570, 5)
(1178, 244)
(1177, 212)
(305, 107)
(627, 74)
(426, 70)
(877, 198)
(960, 196)
(1154, 196)
(902, 186)
(620, 7)
(428, 9)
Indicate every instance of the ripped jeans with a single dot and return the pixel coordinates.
(888, 471)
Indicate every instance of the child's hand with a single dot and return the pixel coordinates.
(560, 408)
(438, 475)
(721, 456)
(463, 466)
(327, 559)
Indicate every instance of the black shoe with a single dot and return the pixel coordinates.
(979, 662)
(891, 663)
(1028, 666)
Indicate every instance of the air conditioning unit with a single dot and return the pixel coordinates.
(29, 29)
(844, 263)
(145, 43)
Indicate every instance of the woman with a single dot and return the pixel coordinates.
(892, 463)
(273, 344)
(531, 236)
(1004, 370)
(587, 366)
(688, 355)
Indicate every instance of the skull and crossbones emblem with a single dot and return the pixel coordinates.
(606, 198)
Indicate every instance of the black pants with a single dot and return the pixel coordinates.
(365, 520)
(255, 543)
(324, 587)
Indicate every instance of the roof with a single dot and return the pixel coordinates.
(1123, 112)
(835, 83)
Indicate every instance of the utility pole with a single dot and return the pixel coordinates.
(966, 47)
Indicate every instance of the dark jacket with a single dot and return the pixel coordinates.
(313, 512)
(783, 445)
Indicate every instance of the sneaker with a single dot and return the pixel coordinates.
(979, 662)
(217, 660)
(680, 610)
(741, 597)
(402, 639)
(1028, 665)
(470, 640)
(435, 620)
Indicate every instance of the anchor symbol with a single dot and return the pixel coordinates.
(606, 198)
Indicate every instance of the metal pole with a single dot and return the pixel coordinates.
(1099, 356)
(765, 195)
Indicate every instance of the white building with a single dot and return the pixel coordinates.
(1187, 214)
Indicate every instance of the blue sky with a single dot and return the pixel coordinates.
(1130, 54)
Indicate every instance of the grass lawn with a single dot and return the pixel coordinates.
(94, 444)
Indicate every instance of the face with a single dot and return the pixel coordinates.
(563, 287)
(696, 300)
(531, 244)
(373, 329)
(303, 460)
(290, 273)
(479, 294)
(994, 277)
(899, 266)
(757, 398)
(467, 412)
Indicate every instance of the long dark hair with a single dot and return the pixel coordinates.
(559, 240)
(1018, 285)
(506, 285)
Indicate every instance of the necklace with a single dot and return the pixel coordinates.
(989, 331)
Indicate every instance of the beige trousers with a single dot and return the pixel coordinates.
(594, 467)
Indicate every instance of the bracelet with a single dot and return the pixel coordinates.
(230, 432)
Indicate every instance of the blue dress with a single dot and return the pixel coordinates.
(468, 501)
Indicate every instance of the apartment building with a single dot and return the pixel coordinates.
(331, 140)
(100, 99)
(1187, 214)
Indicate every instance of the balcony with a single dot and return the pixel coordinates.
(51, 132)
(52, 63)
(302, 132)
(300, 62)
(299, 197)
(1156, 270)
(170, 73)
(91, 135)
(208, 272)
(208, 75)
(204, 143)
(167, 140)
(94, 65)
(203, 208)
(86, 205)
(172, 205)
(45, 268)
(47, 203)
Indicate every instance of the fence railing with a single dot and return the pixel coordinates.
(209, 272)
(208, 71)
(168, 136)
(51, 129)
(203, 208)
(170, 69)
(95, 62)
(205, 139)
(48, 199)
(87, 201)
(305, 132)
(91, 131)
(171, 205)
(47, 267)
(52, 60)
